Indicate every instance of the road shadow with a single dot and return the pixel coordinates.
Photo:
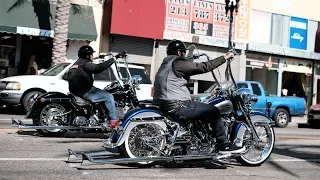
(294, 152)
(12, 110)
(164, 166)
(309, 126)
(69, 134)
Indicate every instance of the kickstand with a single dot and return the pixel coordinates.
(214, 165)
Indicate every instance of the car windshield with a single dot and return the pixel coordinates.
(136, 71)
(55, 70)
(224, 85)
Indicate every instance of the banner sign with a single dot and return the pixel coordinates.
(205, 21)
(222, 22)
(298, 33)
(178, 15)
(202, 18)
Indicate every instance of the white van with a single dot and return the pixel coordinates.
(17, 90)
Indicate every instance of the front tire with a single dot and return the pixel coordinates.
(48, 115)
(141, 141)
(266, 146)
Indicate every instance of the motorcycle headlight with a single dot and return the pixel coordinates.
(253, 99)
(10, 85)
(247, 97)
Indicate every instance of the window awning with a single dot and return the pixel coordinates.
(36, 18)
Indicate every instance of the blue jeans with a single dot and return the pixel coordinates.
(98, 95)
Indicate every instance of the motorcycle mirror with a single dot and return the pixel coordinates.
(136, 79)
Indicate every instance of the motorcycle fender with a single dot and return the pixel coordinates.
(48, 97)
(241, 128)
(131, 123)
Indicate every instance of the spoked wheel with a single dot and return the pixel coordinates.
(52, 115)
(144, 140)
(258, 152)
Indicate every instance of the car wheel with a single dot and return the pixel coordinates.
(281, 117)
(26, 99)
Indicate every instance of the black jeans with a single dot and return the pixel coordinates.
(192, 110)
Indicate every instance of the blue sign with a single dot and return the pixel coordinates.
(298, 33)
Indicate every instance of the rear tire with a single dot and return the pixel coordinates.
(136, 139)
(46, 116)
(281, 117)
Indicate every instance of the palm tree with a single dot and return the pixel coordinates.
(59, 49)
(61, 23)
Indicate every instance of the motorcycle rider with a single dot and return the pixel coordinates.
(80, 81)
(171, 92)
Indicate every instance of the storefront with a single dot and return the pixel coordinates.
(140, 50)
(264, 68)
(282, 71)
(26, 34)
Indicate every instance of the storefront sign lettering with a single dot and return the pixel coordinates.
(205, 20)
(242, 27)
(178, 15)
(298, 33)
(202, 18)
(35, 32)
(266, 49)
(186, 37)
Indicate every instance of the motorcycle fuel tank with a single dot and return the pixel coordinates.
(225, 106)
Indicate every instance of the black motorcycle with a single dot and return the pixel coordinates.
(54, 113)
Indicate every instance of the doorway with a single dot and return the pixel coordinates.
(318, 88)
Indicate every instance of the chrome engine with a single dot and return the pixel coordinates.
(195, 144)
(83, 121)
(80, 121)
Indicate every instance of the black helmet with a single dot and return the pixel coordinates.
(174, 46)
(85, 51)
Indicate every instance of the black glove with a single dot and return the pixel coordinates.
(121, 55)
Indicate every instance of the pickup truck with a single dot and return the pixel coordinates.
(282, 108)
(18, 90)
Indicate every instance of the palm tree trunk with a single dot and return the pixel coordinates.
(60, 31)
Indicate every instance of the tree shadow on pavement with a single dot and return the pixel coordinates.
(294, 152)
(13, 111)
(69, 134)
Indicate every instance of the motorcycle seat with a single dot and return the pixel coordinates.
(79, 100)
(148, 105)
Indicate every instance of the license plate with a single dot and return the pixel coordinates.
(316, 117)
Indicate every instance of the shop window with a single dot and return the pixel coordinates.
(256, 89)
(279, 30)
(106, 75)
(317, 41)
(267, 78)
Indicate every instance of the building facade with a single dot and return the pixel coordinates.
(26, 33)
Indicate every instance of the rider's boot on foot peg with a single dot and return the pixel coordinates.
(228, 148)
(114, 123)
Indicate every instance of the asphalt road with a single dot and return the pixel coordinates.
(25, 155)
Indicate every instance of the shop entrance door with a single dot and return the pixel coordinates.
(318, 94)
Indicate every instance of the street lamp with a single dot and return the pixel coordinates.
(231, 7)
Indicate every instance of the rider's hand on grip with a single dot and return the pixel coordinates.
(229, 55)
(121, 55)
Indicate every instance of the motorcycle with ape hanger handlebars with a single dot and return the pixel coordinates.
(54, 113)
(150, 136)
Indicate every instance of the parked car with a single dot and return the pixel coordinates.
(282, 108)
(314, 115)
(18, 90)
